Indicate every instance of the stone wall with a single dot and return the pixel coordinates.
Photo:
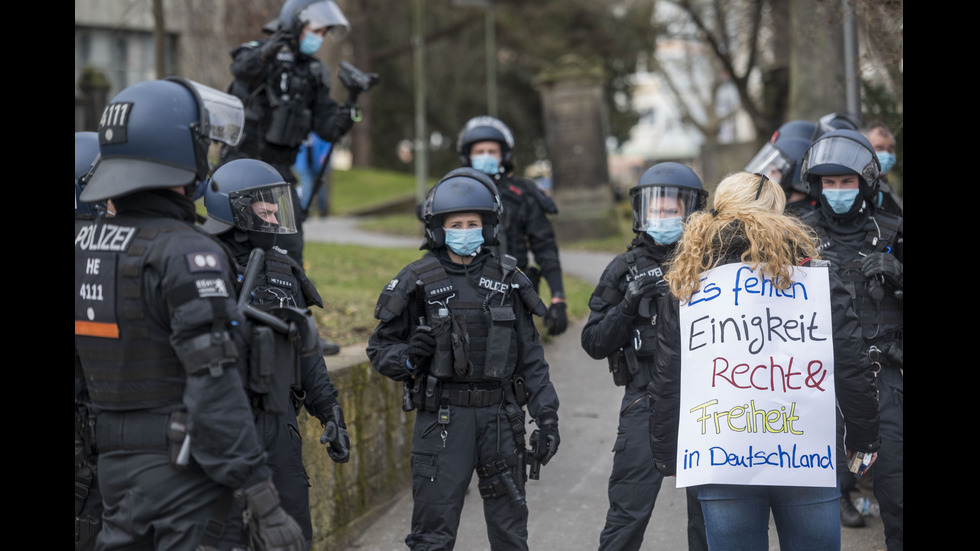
(346, 497)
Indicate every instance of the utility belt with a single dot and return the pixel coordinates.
(143, 431)
(472, 397)
(428, 393)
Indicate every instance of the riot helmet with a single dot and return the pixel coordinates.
(463, 189)
(779, 159)
(835, 121)
(155, 135)
(666, 192)
(841, 152)
(249, 195)
(481, 129)
(296, 14)
(86, 157)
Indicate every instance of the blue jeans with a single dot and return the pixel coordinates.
(737, 517)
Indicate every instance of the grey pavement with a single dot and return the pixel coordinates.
(567, 506)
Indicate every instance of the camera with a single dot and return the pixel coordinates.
(354, 79)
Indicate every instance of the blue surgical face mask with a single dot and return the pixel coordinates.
(841, 200)
(311, 43)
(887, 161)
(487, 164)
(464, 242)
(665, 231)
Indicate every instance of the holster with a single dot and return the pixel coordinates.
(433, 393)
(273, 368)
(176, 434)
(639, 374)
(617, 366)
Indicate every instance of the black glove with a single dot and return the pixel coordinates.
(548, 439)
(271, 528)
(421, 346)
(637, 289)
(885, 265)
(830, 256)
(556, 318)
(335, 435)
(893, 352)
(342, 122)
(276, 42)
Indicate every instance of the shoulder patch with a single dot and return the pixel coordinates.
(203, 262)
(212, 288)
(392, 284)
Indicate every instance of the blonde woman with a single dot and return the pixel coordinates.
(747, 226)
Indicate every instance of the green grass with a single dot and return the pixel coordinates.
(352, 190)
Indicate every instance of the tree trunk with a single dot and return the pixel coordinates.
(818, 83)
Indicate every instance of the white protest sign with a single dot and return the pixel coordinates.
(757, 381)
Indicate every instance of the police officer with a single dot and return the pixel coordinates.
(88, 500)
(622, 328)
(286, 92)
(249, 206)
(487, 144)
(457, 327)
(156, 335)
(779, 159)
(865, 246)
(883, 141)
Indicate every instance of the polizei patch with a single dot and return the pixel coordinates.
(493, 285)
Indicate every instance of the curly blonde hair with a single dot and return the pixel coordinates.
(747, 224)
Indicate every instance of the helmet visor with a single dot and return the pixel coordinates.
(659, 202)
(772, 162)
(326, 14)
(225, 114)
(267, 209)
(840, 155)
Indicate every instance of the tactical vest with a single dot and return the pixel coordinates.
(281, 338)
(880, 312)
(282, 283)
(474, 327)
(129, 363)
(634, 363)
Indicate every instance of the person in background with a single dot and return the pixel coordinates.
(286, 93)
(779, 159)
(865, 247)
(456, 326)
(622, 328)
(249, 206)
(487, 144)
(882, 139)
(311, 163)
(747, 226)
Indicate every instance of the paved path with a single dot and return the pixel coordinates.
(568, 504)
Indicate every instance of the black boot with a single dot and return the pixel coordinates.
(849, 515)
(329, 348)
